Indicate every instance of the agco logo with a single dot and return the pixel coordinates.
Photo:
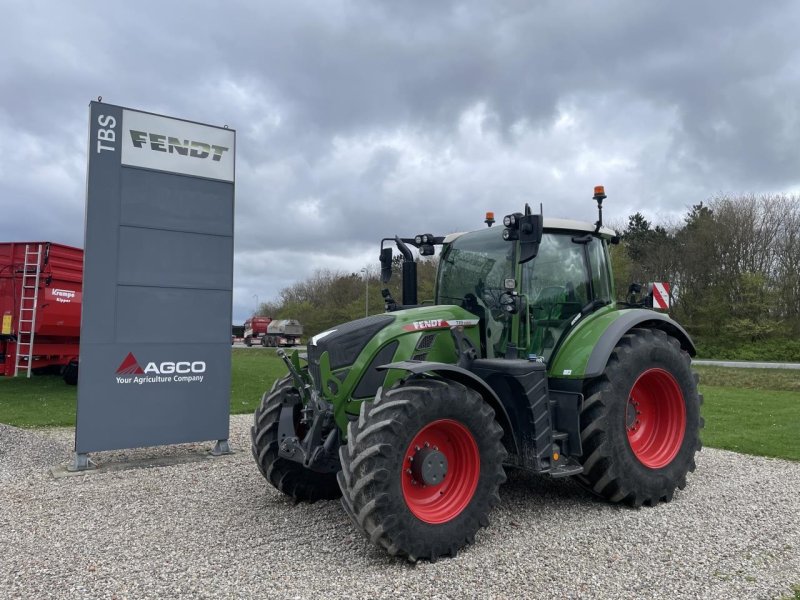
(184, 371)
(164, 143)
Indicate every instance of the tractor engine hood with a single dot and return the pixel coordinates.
(345, 342)
(344, 361)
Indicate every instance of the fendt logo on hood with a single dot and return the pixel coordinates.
(439, 324)
(183, 371)
(165, 143)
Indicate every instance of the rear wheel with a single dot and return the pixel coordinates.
(640, 424)
(422, 468)
(288, 476)
(70, 373)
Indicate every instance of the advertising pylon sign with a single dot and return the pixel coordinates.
(155, 362)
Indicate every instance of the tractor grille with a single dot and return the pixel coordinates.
(426, 341)
(313, 366)
(343, 344)
(424, 344)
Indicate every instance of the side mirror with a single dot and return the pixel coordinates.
(526, 228)
(386, 264)
(530, 236)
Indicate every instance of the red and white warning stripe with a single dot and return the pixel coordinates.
(661, 295)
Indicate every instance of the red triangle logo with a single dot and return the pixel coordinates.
(130, 366)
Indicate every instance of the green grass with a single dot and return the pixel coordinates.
(42, 401)
(46, 401)
(796, 596)
(787, 380)
(754, 411)
(762, 422)
(253, 372)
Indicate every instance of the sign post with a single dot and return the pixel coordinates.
(155, 363)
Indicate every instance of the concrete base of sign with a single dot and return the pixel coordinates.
(82, 465)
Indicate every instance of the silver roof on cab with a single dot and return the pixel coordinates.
(551, 223)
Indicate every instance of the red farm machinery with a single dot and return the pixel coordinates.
(40, 305)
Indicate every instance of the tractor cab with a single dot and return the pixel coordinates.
(527, 308)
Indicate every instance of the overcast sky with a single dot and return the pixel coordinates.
(357, 120)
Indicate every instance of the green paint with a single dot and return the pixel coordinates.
(409, 326)
(573, 355)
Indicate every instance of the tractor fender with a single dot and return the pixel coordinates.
(628, 320)
(461, 375)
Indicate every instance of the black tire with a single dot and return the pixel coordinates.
(264, 342)
(70, 373)
(290, 477)
(374, 465)
(248, 342)
(612, 468)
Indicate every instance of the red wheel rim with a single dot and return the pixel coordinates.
(444, 501)
(655, 418)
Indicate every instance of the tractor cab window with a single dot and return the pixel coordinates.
(557, 284)
(601, 275)
(472, 273)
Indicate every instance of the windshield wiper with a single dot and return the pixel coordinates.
(593, 306)
(587, 309)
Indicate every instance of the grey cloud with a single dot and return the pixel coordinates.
(361, 119)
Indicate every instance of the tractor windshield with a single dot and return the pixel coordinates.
(472, 272)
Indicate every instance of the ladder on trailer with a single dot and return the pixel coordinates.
(26, 323)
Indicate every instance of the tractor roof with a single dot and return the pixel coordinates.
(551, 223)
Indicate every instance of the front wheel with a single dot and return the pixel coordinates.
(640, 424)
(288, 476)
(422, 468)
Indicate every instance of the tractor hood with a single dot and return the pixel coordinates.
(345, 342)
(343, 360)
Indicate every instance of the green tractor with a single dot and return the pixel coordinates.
(524, 361)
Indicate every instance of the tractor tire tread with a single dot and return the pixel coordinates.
(610, 469)
(375, 439)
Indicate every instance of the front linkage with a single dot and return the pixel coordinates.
(317, 448)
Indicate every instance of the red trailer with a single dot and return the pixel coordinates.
(255, 328)
(40, 304)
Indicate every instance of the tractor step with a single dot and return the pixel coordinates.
(566, 468)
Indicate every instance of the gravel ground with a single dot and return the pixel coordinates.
(214, 529)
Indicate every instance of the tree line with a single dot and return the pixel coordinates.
(733, 265)
(734, 268)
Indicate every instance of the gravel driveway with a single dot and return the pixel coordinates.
(214, 529)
